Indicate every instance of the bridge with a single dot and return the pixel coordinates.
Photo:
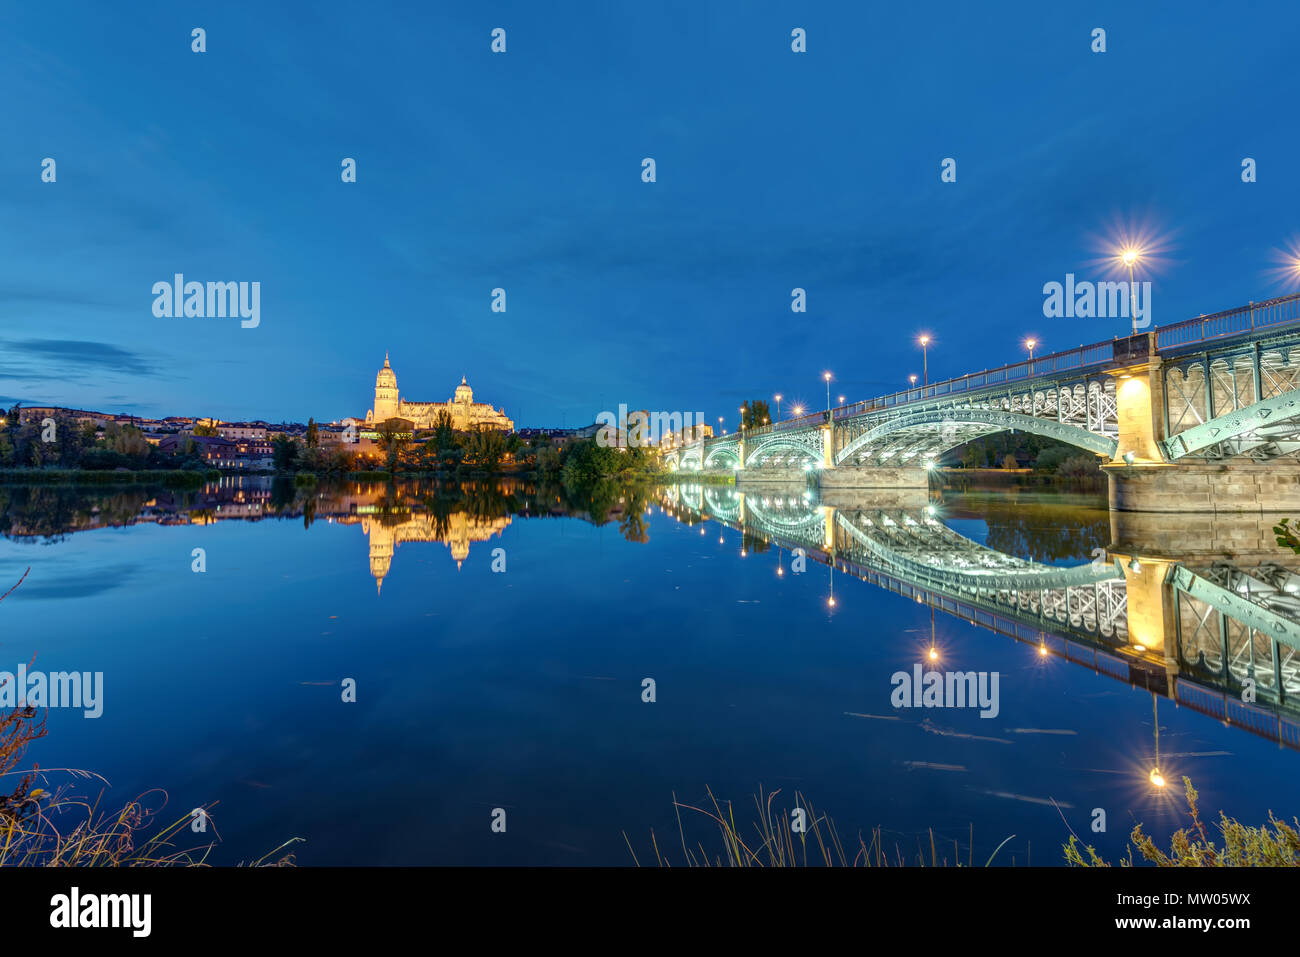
(1202, 415)
(1196, 628)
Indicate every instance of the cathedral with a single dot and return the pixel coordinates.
(466, 414)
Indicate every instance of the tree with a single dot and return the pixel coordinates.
(1010, 462)
(284, 453)
(313, 434)
(485, 448)
(393, 436)
(126, 440)
(756, 413)
(444, 436)
(205, 430)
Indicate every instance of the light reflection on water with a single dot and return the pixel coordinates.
(522, 689)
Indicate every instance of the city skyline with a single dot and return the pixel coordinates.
(692, 275)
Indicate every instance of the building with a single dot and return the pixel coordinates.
(466, 414)
(242, 430)
(686, 436)
(221, 453)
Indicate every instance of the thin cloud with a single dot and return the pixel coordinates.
(83, 354)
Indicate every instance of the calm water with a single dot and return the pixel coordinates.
(523, 689)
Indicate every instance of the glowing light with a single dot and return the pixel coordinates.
(925, 340)
(1157, 778)
(831, 601)
(934, 654)
(1042, 651)
(1139, 648)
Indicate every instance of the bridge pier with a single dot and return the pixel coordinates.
(1141, 479)
(1252, 487)
(771, 476)
(846, 477)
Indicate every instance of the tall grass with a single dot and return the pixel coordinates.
(39, 828)
(1243, 845)
(774, 842)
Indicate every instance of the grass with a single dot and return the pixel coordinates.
(774, 842)
(169, 478)
(1243, 846)
(60, 829)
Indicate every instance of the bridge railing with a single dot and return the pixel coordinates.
(1272, 312)
(1084, 356)
(1231, 322)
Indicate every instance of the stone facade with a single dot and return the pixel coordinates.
(1238, 487)
(466, 414)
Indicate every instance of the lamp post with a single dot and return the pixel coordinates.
(827, 377)
(1031, 343)
(778, 407)
(1130, 256)
(925, 360)
(912, 380)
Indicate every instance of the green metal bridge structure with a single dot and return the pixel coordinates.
(1202, 414)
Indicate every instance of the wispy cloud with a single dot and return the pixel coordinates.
(79, 354)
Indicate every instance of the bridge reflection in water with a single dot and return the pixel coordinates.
(1199, 626)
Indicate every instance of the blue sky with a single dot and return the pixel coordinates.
(522, 171)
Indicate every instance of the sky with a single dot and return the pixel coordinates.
(522, 170)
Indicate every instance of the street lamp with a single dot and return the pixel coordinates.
(912, 379)
(1130, 256)
(827, 377)
(925, 359)
(778, 407)
(1031, 343)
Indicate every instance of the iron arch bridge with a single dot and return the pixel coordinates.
(1219, 387)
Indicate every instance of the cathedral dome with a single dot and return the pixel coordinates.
(387, 378)
(463, 392)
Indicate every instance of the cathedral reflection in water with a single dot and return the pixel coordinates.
(457, 531)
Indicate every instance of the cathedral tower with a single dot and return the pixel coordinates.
(386, 400)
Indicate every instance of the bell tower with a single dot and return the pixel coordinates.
(386, 398)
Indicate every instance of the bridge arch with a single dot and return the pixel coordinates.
(797, 450)
(723, 457)
(928, 433)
